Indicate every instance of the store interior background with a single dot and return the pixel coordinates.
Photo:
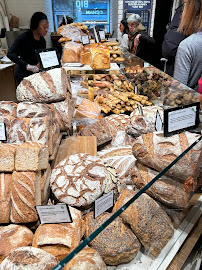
(162, 11)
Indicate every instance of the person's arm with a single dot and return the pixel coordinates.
(182, 64)
(14, 51)
(146, 39)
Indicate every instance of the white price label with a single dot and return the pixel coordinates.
(50, 214)
(85, 40)
(181, 119)
(102, 34)
(49, 59)
(104, 203)
(2, 132)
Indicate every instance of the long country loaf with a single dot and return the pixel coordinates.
(157, 152)
(148, 221)
(49, 86)
(79, 180)
(29, 258)
(165, 189)
(116, 243)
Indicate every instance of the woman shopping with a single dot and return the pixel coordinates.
(22, 52)
(123, 40)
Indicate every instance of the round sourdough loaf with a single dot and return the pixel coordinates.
(79, 179)
(12, 237)
(29, 258)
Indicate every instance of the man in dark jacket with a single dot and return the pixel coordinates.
(140, 43)
(172, 40)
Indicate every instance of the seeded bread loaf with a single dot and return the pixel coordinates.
(29, 258)
(157, 152)
(148, 221)
(79, 180)
(116, 243)
(60, 239)
(5, 195)
(7, 157)
(12, 237)
(8, 108)
(48, 86)
(165, 189)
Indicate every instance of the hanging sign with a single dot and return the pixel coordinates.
(140, 5)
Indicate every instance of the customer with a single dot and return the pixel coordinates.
(140, 43)
(22, 52)
(188, 64)
(172, 40)
(123, 40)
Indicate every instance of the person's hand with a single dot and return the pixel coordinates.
(137, 40)
(32, 68)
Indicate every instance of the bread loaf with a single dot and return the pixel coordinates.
(31, 156)
(148, 221)
(116, 243)
(8, 108)
(165, 189)
(29, 258)
(7, 119)
(48, 86)
(86, 55)
(72, 52)
(7, 157)
(86, 259)
(24, 187)
(5, 195)
(115, 151)
(79, 179)
(100, 129)
(87, 109)
(100, 56)
(19, 130)
(12, 237)
(157, 152)
(60, 239)
(39, 128)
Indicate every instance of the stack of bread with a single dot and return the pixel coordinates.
(115, 52)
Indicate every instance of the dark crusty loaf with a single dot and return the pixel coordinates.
(116, 243)
(8, 108)
(87, 259)
(5, 197)
(12, 237)
(165, 189)
(157, 152)
(148, 221)
(100, 129)
(29, 258)
(49, 86)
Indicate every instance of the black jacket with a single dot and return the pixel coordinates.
(145, 49)
(22, 52)
(172, 40)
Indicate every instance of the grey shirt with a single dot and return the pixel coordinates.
(188, 62)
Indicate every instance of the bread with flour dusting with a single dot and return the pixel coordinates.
(79, 179)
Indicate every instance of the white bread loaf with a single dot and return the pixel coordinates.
(5, 197)
(86, 259)
(116, 243)
(49, 86)
(31, 156)
(25, 193)
(8, 108)
(12, 237)
(100, 56)
(79, 179)
(19, 130)
(147, 219)
(86, 55)
(29, 258)
(60, 239)
(157, 152)
(7, 157)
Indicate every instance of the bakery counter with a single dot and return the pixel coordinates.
(7, 82)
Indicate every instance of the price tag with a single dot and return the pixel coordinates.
(51, 214)
(48, 58)
(104, 203)
(159, 122)
(85, 40)
(102, 34)
(140, 108)
(3, 132)
(181, 118)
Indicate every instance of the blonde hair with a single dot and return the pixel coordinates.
(191, 21)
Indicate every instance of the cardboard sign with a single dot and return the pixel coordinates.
(51, 214)
(181, 118)
(3, 132)
(48, 58)
(104, 203)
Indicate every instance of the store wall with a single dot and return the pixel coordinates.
(116, 8)
(2, 24)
